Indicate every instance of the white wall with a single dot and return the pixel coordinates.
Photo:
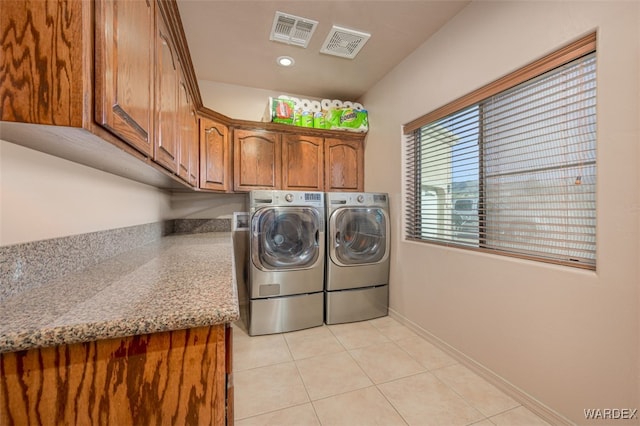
(206, 205)
(568, 338)
(239, 102)
(42, 197)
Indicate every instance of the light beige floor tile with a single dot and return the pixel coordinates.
(383, 322)
(357, 334)
(258, 351)
(519, 416)
(481, 394)
(428, 355)
(329, 375)
(239, 331)
(300, 415)
(424, 400)
(312, 342)
(484, 422)
(265, 389)
(364, 407)
(385, 362)
(397, 332)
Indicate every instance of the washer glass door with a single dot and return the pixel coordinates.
(359, 235)
(285, 238)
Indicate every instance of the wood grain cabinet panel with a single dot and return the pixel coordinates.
(189, 145)
(215, 156)
(257, 160)
(230, 384)
(344, 165)
(175, 377)
(194, 149)
(166, 134)
(302, 163)
(125, 41)
(41, 62)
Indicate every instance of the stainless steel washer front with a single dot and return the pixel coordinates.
(287, 252)
(357, 273)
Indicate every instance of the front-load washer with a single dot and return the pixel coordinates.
(286, 261)
(357, 271)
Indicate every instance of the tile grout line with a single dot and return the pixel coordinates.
(374, 384)
(306, 389)
(431, 372)
(377, 386)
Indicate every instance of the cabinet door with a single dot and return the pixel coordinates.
(166, 134)
(257, 161)
(344, 165)
(303, 163)
(194, 149)
(124, 70)
(41, 62)
(188, 150)
(215, 158)
(153, 379)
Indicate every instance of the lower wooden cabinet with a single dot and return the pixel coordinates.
(174, 377)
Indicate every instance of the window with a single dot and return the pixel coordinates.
(511, 168)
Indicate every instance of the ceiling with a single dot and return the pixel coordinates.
(229, 42)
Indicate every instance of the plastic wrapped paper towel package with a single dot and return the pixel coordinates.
(325, 114)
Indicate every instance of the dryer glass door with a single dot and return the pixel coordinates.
(285, 238)
(359, 235)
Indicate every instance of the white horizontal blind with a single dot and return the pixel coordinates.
(514, 173)
(442, 169)
(539, 143)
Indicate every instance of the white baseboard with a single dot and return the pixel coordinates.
(529, 402)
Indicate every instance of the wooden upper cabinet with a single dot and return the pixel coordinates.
(125, 46)
(344, 165)
(215, 156)
(166, 123)
(188, 152)
(194, 150)
(302, 163)
(257, 161)
(119, 72)
(42, 73)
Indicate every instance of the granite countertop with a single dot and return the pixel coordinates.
(180, 281)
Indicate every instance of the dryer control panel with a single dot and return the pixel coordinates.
(355, 198)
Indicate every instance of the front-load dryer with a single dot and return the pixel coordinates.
(357, 272)
(286, 261)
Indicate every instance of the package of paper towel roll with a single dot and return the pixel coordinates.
(325, 114)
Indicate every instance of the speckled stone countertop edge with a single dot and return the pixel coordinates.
(89, 332)
(179, 282)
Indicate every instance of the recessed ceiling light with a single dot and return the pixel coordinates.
(285, 61)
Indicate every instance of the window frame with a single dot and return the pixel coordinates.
(579, 48)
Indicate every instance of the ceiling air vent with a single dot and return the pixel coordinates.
(344, 42)
(292, 29)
